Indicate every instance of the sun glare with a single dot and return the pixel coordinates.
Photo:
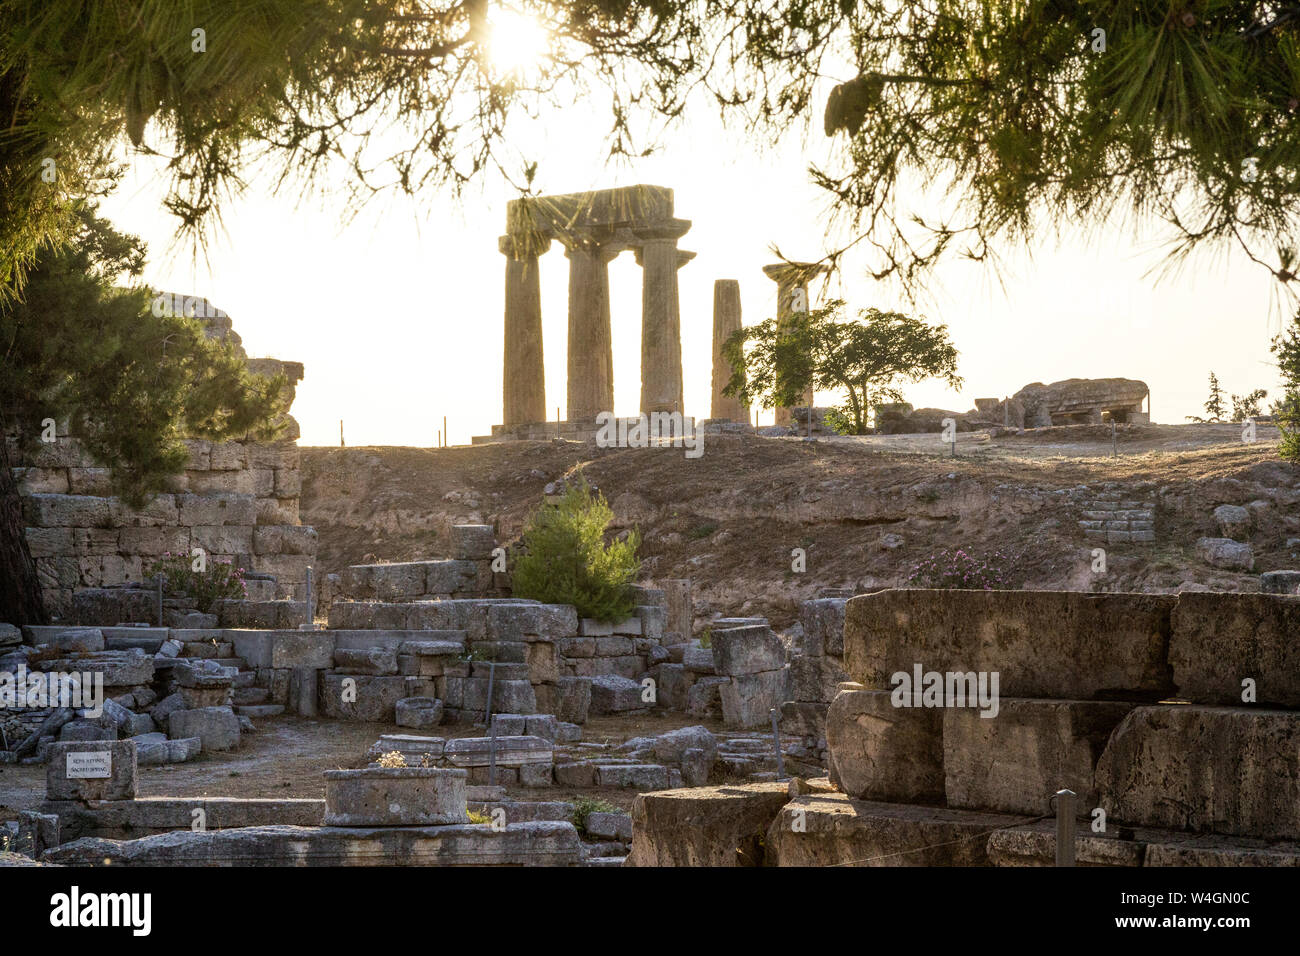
(517, 42)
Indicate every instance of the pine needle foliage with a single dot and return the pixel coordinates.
(566, 559)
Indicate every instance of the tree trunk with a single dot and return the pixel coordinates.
(20, 589)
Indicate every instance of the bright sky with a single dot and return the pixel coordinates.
(397, 315)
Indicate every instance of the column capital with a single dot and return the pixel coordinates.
(522, 246)
(603, 251)
(683, 256)
(664, 231)
(797, 272)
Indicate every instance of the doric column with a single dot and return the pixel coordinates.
(523, 378)
(591, 346)
(726, 320)
(792, 280)
(661, 319)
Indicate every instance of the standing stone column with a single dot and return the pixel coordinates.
(591, 345)
(792, 280)
(726, 320)
(661, 319)
(523, 379)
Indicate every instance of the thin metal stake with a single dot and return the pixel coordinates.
(492, 754)
(311, 618)
(1065, 827)
(776, 745)
(487, 715)
(1114, 440)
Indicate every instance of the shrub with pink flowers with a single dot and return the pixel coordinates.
(219, 580)
(958, 569)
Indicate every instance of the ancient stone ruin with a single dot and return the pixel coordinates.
(593, 228)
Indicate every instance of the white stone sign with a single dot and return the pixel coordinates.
(90, 764)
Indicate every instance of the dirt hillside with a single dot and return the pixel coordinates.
(865, 511)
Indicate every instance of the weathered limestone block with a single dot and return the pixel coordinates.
(372, 661)
(216, 727)
(611, 694)
(823, 626)
(834, 829)
(704, 698)
(698, 660)
(1102, 646)
(572, 699)
(1035, 845)
(511, 751)
(449, 577)
(748, 699)
(472, 542)
(543, 662)
(294, 649)
(372, 699)
(679, 607)
(284, 539)
(128, 668)
(119, 819)
(547, 843)
(67, 511)
(1231, 770)
(712, 826)
(212, 510)
(1226, 553)
(1014, 762)
(815, 678)
(80, 640)
(418, 712)
(653, 622)
(1218, 640)
(673, 684)
(71, 758)
(747, 650)
(395, 796)
(882, 752)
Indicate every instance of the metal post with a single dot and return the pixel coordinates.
(776, 745)
(446, 441)
(1114, 440)
(160, 600)
(1065, 827)
(311, 618)
(492, 751)
(487, 715)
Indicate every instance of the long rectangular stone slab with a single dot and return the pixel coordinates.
(1220, 640)
(1064, 645)
(1035, 845)
(120, 818)
(520, 844)
(511, 751)
(1014, 762)
(1230, 770)
(836, 830)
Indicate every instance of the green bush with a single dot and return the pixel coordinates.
(219, 581)
(1289, 447)
(566, 559)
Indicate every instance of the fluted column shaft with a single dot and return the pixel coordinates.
(523, 378)
(591, 346)
(726, 321)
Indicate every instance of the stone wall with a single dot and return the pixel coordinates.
(1180, 713)
(236, 500)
